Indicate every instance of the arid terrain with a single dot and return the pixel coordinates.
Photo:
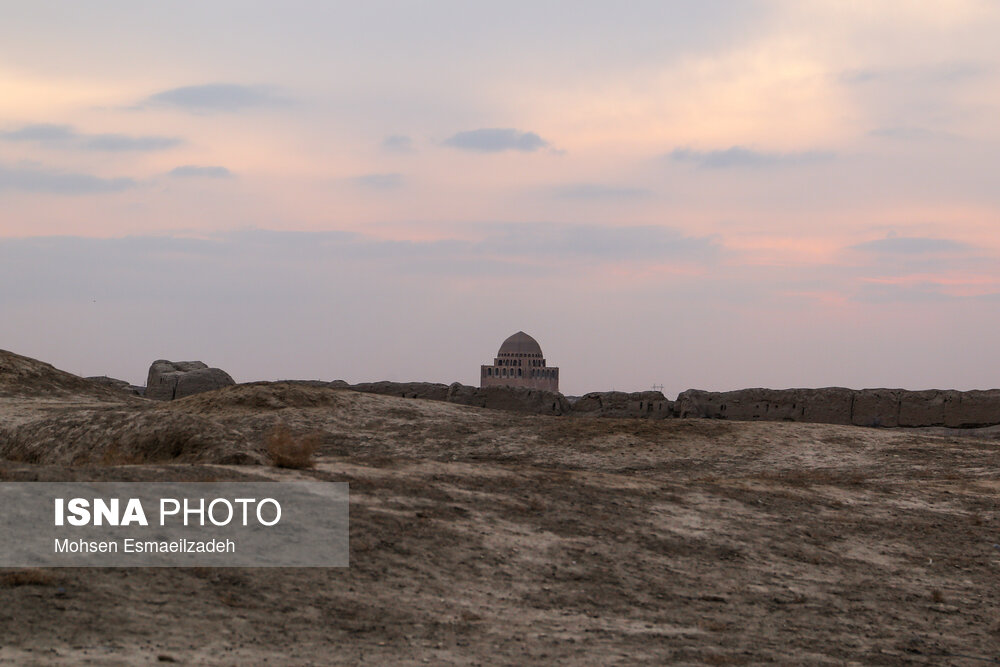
(493, 538)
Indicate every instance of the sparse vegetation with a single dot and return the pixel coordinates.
(807, 477)
(114, 456)
(290, 451)
(28, 577)
(114, 436)
(723, 659)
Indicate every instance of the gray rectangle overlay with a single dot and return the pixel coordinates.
(311, 531)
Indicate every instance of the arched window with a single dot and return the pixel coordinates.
(518, 372)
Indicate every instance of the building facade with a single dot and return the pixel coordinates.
(520, 363)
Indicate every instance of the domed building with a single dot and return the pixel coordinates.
(520, 363)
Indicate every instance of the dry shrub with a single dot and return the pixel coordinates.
(469, 616)
(114, 456)
(379, 461)
(937, 596)
(711, 625)
(724, 659)
(28, 577)
(818, 476)
(290, 451)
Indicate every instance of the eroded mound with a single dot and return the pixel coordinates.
(262, 396)
(24, 376)
(115, 436)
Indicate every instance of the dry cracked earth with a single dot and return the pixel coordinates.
(489, 538)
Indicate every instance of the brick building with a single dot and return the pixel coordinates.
(520, 363)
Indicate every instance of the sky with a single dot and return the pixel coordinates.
(707, 194)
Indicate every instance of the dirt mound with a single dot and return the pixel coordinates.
(121, 386)
(261, 396)
(24, 376)
(488, 537)
(114, 436)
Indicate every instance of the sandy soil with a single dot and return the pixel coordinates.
(481, 537)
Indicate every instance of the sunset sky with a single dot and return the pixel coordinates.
(695, 194)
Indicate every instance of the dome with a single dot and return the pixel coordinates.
(520, 344)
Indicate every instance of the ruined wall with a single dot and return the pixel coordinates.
(644, 404)
(828, 405)
(515, 399)
(837, 405)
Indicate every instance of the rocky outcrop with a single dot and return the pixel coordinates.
(117, 385)
(642, 404)
(169, 380)
(837, 405)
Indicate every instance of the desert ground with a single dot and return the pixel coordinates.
(482, 537)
